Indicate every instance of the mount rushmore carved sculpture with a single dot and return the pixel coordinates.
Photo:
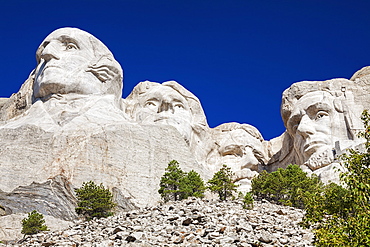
(69, 124)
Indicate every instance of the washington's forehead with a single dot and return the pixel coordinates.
(69, 33)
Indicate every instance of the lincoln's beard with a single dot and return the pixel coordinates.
(320, 159)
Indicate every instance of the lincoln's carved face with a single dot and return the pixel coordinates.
(310, 123)
(64, 65)
(164, 105)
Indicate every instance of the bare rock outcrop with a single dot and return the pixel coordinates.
(192, 222)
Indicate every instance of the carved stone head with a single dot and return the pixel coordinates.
(319, 116)
(241, 147)
(72, 61)
(168, 103)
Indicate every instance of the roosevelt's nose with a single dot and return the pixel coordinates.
(251, 161)
(305, 127)
(50, 51)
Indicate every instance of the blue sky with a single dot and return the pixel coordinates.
(237, 56)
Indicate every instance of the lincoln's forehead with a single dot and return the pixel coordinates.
(319, 98)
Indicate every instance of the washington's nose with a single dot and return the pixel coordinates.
(50, 52)
(305, 127)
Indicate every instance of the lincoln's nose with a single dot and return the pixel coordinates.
(305, 127)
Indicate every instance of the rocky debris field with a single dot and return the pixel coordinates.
(191, 222)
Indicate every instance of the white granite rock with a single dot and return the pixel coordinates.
(322, 120)
(171, 104)
(74, 126)
(242, 148)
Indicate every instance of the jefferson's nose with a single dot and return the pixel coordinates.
(305, 127)
(50, 52)
(165, 106)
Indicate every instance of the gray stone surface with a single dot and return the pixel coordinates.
(211, 223)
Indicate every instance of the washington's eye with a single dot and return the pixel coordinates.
(321, 114)
(71, 46)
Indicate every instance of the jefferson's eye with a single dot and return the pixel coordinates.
(71, 46)
(180, 106)
(321, 114)
(149, 104)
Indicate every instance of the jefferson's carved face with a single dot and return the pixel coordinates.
(164, 105)
(63, 58)
(310, 123)
(240, 150)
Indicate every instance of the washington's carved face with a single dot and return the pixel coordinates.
(240, 150)
(164, 105)
(63, 58)
(310, 123)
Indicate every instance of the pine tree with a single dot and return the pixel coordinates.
(222, 183)
(170, 182)
(191, 185)
(33, 224)
(94, 201)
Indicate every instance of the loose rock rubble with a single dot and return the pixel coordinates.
(191, 222)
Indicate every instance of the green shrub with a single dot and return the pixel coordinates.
(94, 201)
(176, 184)
(170, 182)
(192, 185)
(248, 200)
(285, 186)
(222, 183)
(33, 224)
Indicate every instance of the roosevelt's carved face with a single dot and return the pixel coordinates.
(164, 105)
(63, 58)
(310, 123)
(239, 150)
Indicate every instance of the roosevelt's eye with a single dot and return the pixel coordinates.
(71, 46)
(321, 114)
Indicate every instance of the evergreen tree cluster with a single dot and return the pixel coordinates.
(222, 183)
(286, 186)
(177, 185)
(94, 201)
